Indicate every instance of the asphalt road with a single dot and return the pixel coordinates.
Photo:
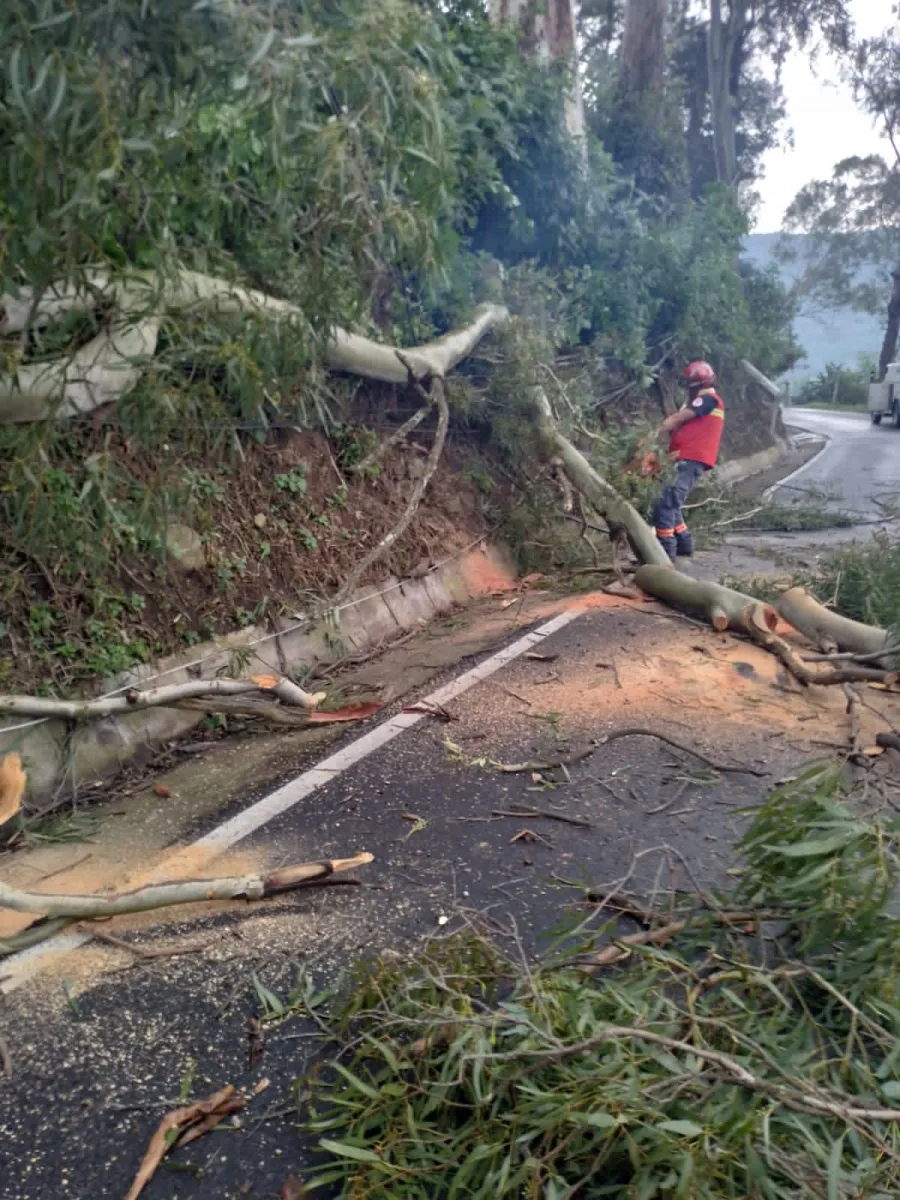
(861, 463)
(101, 1049)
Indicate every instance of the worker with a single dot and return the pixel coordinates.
(695, 434)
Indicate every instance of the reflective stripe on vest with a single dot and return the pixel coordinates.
(699, 440)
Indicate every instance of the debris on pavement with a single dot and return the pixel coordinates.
(187, 1124)
(524, 768)
(354, 712)
(544, 813)
(431, 708)
(66, 908)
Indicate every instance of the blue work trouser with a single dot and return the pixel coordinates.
(671, 528)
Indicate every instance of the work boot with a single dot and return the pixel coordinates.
(684, 544)
(668, 544)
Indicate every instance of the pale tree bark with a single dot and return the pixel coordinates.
(602, 495)
(547, 30)
(643, 47)
(722, 607)
(723, 38)
(173, 695)
(820, 624)
(111, 364)
(188, 891)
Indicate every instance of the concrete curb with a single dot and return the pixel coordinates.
(54, 753)
(739, 469)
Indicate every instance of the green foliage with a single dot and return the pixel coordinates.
(843, 386)
(469, 1073)
(381, 166)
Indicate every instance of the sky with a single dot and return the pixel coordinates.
(826, 123)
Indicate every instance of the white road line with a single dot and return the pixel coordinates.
(240, 826)
(770, 492)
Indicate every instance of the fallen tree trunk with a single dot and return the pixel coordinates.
(763, 634)
(723, 608)
(818, 623)
(111, 364)
(188, 891)
(602, 495)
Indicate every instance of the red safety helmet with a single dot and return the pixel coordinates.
(698, 374)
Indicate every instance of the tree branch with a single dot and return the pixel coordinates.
(170, 696)
(110, 365)
(605, 499)
(723, 608)
(437, 391)
(810, 618)
(188, 891)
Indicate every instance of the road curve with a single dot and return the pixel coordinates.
(860, 465)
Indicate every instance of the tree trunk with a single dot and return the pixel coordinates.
(643, 48)
(722, 40)
(723, 608)
(547, 30)
(111, 364)
(892, 331)
(594, 487)
(816, 623)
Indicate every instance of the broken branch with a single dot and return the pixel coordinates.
(761, 633)
(218, 1105)
(142, 952)
(724, 768)
(546, 814)
(188, 891)
(525, 767)
(396, 437)
(723, 608)
(604, 498)
(437, 391)
(170, 696)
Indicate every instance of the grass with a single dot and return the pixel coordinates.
(740, 1057)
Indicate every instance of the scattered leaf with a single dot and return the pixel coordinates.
(219, 1104)
(293, 1189)
(343, 1150)
(681, 1128)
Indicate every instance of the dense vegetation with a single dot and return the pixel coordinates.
(381, 165)
(743, 1046)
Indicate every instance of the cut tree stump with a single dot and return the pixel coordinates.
(723, 608)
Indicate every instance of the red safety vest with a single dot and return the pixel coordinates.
(699, 440)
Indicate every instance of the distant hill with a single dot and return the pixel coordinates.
(841, 336)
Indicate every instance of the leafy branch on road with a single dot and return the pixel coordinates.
(742, 1059)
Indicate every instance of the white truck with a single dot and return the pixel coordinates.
(884, 397)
